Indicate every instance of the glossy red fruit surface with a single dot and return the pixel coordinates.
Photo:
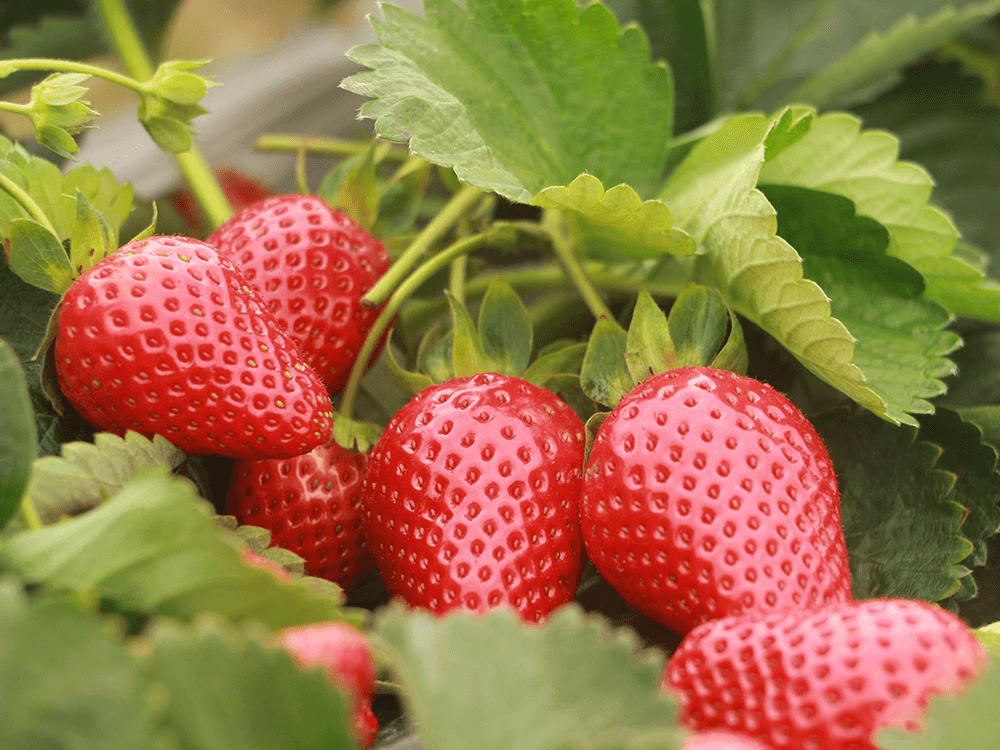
(312, 265)
(311, 506)
(165, 337)
(709, 494)
(823, 679)
(346, 656)
(472, 498)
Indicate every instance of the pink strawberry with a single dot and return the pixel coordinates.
(347, 658)
(312, 265)
(708, 494)
(822, 679)
(165, 337)
(721, 741)
(471, 498)
(256, 561)
(310, 504)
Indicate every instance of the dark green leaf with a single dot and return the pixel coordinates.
(900, 518)
(352, 188)
(649, 350)
(604, 375)
(505, 328)
(697, 325)
(154, 548)
(468, 356)
(411, 382)
(570, 682)
(434, 355)
(149, 229)
(67, 682)
(566, 358)
(37, 256)
(18, 438)
(231, 690)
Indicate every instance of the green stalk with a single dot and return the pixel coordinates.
(27, 202)
(553, 223)
(199, 175)
(301, 180)
(437, 228)
(71, 66)
(402, 293)
(285, 143)
(456, 278)
(30, 515)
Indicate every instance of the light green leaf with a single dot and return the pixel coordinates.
(92, 238)
(468, 356)
(649, 349)
(354, 434)
(37, 256)
(900, 519)
(87, 473)
(966, 722)
(149, 229)
(113, 200)
(589, 686)
(697, 325)
(18, 438)
(67, 682)
(169, 133)
(789, 129)
(734, 355)
(874, 64)
(634, 228)
(605, 376)
(154, 548)
(505, 328)
(549, 92)
(259, 698)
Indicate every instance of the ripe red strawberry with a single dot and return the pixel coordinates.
(721, 741)
(312, 265)
(708, 494)
(164, 336)
(823, 679)
(471, 498)
(346, 656)
(311, 506)
(241, 190)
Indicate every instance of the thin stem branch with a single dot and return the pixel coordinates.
(71, 66)
(27, 202)
(301, 180)
(437, 228)
(553, 223)
(402, 293)
(456, 278)
(319, 146)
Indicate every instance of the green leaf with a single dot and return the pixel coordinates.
(18, 438)
(649, 349)
(564, 359)
(149, 229)
(789, 129)
(231, 690)
(589, 688)
(900, 518)
(468, 356)
(87, 473)
(552, 92)
(734, 355)
(67, 682)
(110, 199)
(174, 82)
(605, 376)
(354, 434)
(351, 187)
(434, 355)
(989, 636)
(697, 325)
(873, 64)
(838, 157)
(37, 256)
(154, 548)
(169, 133)
(411, 382)
(505, 328)
(632, 228)
(92, 238)
(759, 275)
(966, 722)
(58, 111)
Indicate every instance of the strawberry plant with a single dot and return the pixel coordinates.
(630, 381)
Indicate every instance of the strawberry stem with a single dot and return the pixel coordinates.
(16, 192)
(402, 293)
(301, 181)
(456, 278)
(284, 143)
(437, 228)
(71, 66)
(132, 51)
(555, 228)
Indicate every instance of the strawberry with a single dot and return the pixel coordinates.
(312, 265)
(708, 494)
(347, 658)
(164, 336)
(311, 506)
(241, 190)
(721, 741)
(823, 679)
(471, 498)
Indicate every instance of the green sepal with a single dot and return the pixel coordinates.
(92, 238)
(734, 355)
(698, 325)
(592, 427)
(169, 133)
(649, 350)
(352, 187)
(411, 382)
(505, 328)
(37, 256)
(468, 357)
(604, 375)
(150, 228)
(174, 82)
(434, 353)
(57, 112)
(559, 358)
(18, 436)
(354, 434)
